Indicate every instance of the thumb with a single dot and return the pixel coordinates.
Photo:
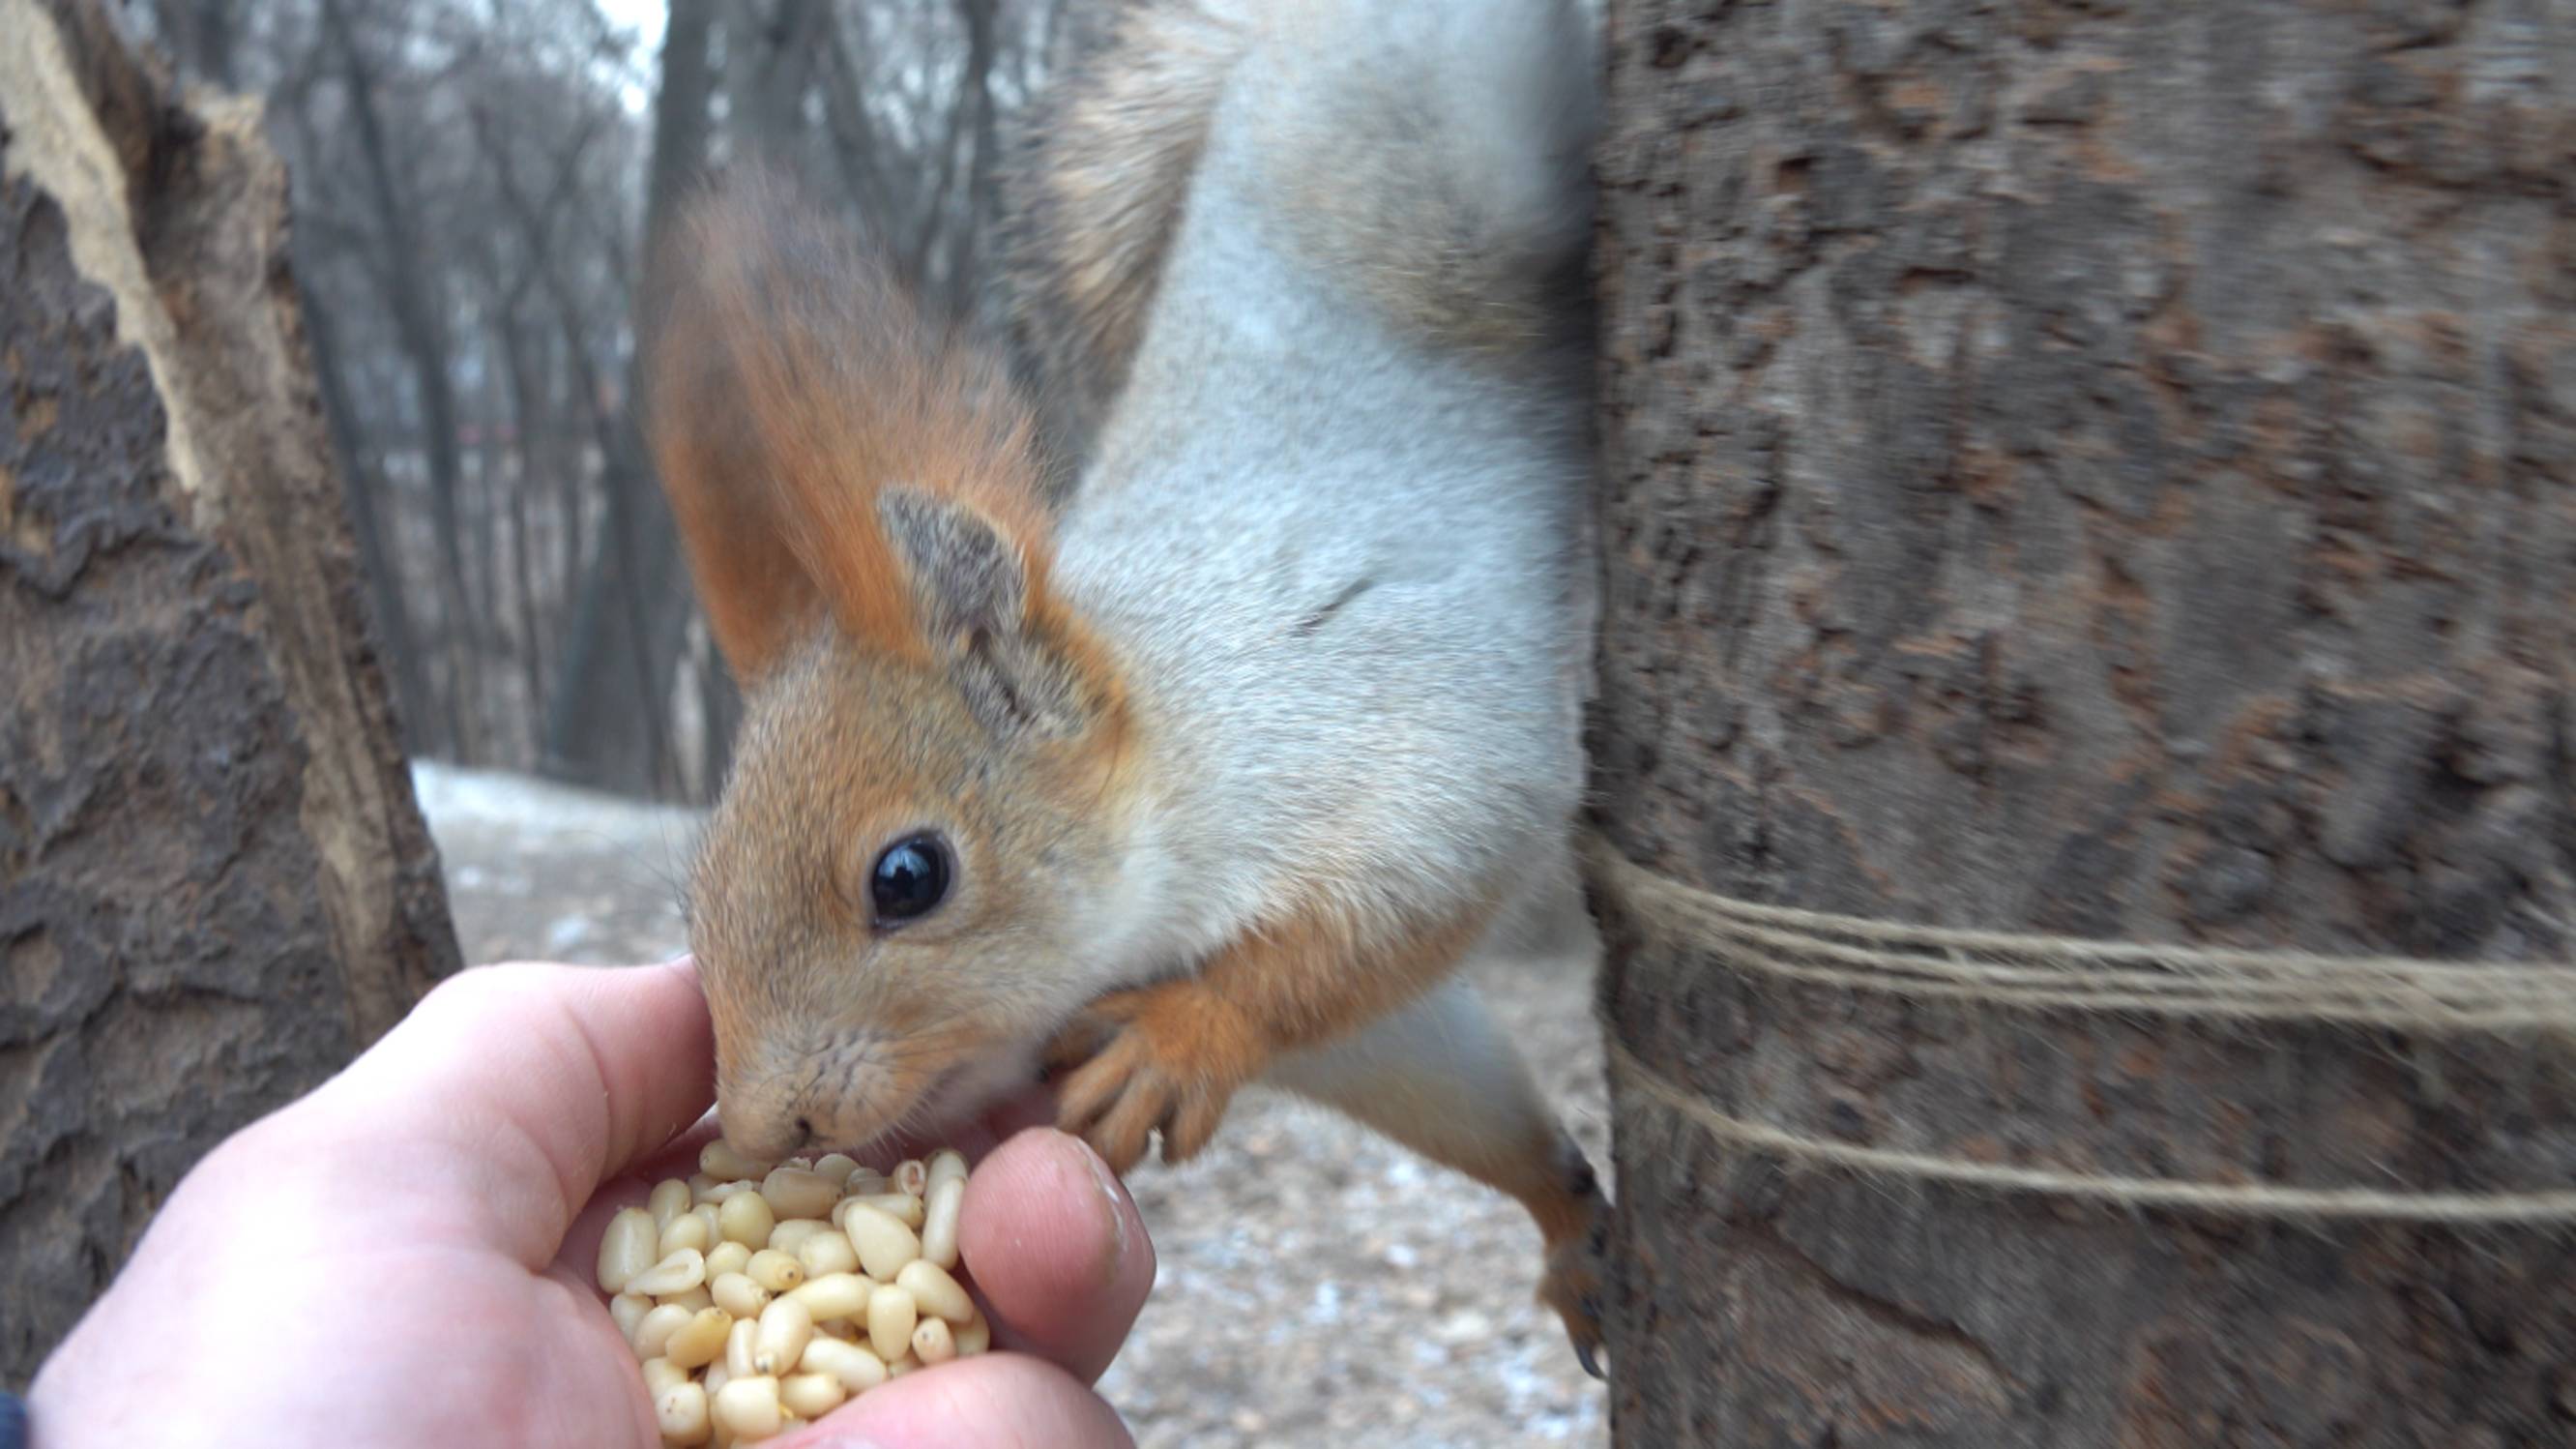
(999, 1398)
(549, 1080)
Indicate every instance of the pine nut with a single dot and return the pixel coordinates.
(626, 1249)
(748, 1406)
(774, 1270)
(681, 1413)
(903, 1207)
(939, 1219)
(654, 1334)
(858, 1369)
(884, 1244)
(826, 1252)
(831, 1296)
(891, 1316)
(933, 1341)
(670, 1199)
(761, 1296)
(699, 1341)
(738, 1295)
(812, 1395)
(946, 1165)
(795, 1193)
(726, 1258)
(688, 1230)
(935, 1292)
(792, 1234)
(661, 1376)
(678, 1273)
(628, 1310)
(746, 1218)
(785, 1328)
(721, 1162)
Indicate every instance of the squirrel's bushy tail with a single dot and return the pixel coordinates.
(1099, 168)
(1432, 154)
(1436, 153)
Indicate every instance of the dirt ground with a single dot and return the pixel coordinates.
(1318, 1285)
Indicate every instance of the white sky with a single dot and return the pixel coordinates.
(644, 15)
(645, 18)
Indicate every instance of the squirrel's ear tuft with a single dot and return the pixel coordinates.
(796, 381)
(979, 593)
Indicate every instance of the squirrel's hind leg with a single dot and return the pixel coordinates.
(1441, 1078)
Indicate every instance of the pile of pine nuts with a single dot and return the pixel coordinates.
(760, 1298)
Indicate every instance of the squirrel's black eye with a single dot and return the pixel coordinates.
(910, 880)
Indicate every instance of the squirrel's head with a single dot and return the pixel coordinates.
(921, 832)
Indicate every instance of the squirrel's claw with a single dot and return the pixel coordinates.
(1572, 1284)
(1143, 1081)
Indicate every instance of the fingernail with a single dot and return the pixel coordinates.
(1110, 1195)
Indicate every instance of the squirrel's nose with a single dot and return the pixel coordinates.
(764, 1131)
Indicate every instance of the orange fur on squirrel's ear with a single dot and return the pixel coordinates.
(794, 384)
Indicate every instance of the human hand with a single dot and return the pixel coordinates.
(404, 1257)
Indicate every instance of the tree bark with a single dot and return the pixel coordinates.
(214, 883)
(2106, 470)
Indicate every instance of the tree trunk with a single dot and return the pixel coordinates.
(965, 273)
(607, 725)
(2105, 470)
(410, 294)
(214, 883)
(412, 692)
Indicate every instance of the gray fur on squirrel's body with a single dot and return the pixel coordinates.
(1334, 527)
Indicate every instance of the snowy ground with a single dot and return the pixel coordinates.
(1318, 1286)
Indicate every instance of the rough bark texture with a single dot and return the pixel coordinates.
(2106, 469)
(214, 882)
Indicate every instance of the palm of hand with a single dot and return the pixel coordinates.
(407, 1256)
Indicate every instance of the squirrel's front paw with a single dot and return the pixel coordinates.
(1173, 1063)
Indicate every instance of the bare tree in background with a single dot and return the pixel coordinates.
(482, 187)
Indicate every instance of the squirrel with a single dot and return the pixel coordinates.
(1216, 766)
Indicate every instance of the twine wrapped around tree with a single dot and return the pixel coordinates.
(1999, 1189)
(2516, 1008)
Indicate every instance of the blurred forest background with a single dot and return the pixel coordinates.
(478, 187)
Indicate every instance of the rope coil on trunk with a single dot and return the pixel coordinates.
(2072, 974)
